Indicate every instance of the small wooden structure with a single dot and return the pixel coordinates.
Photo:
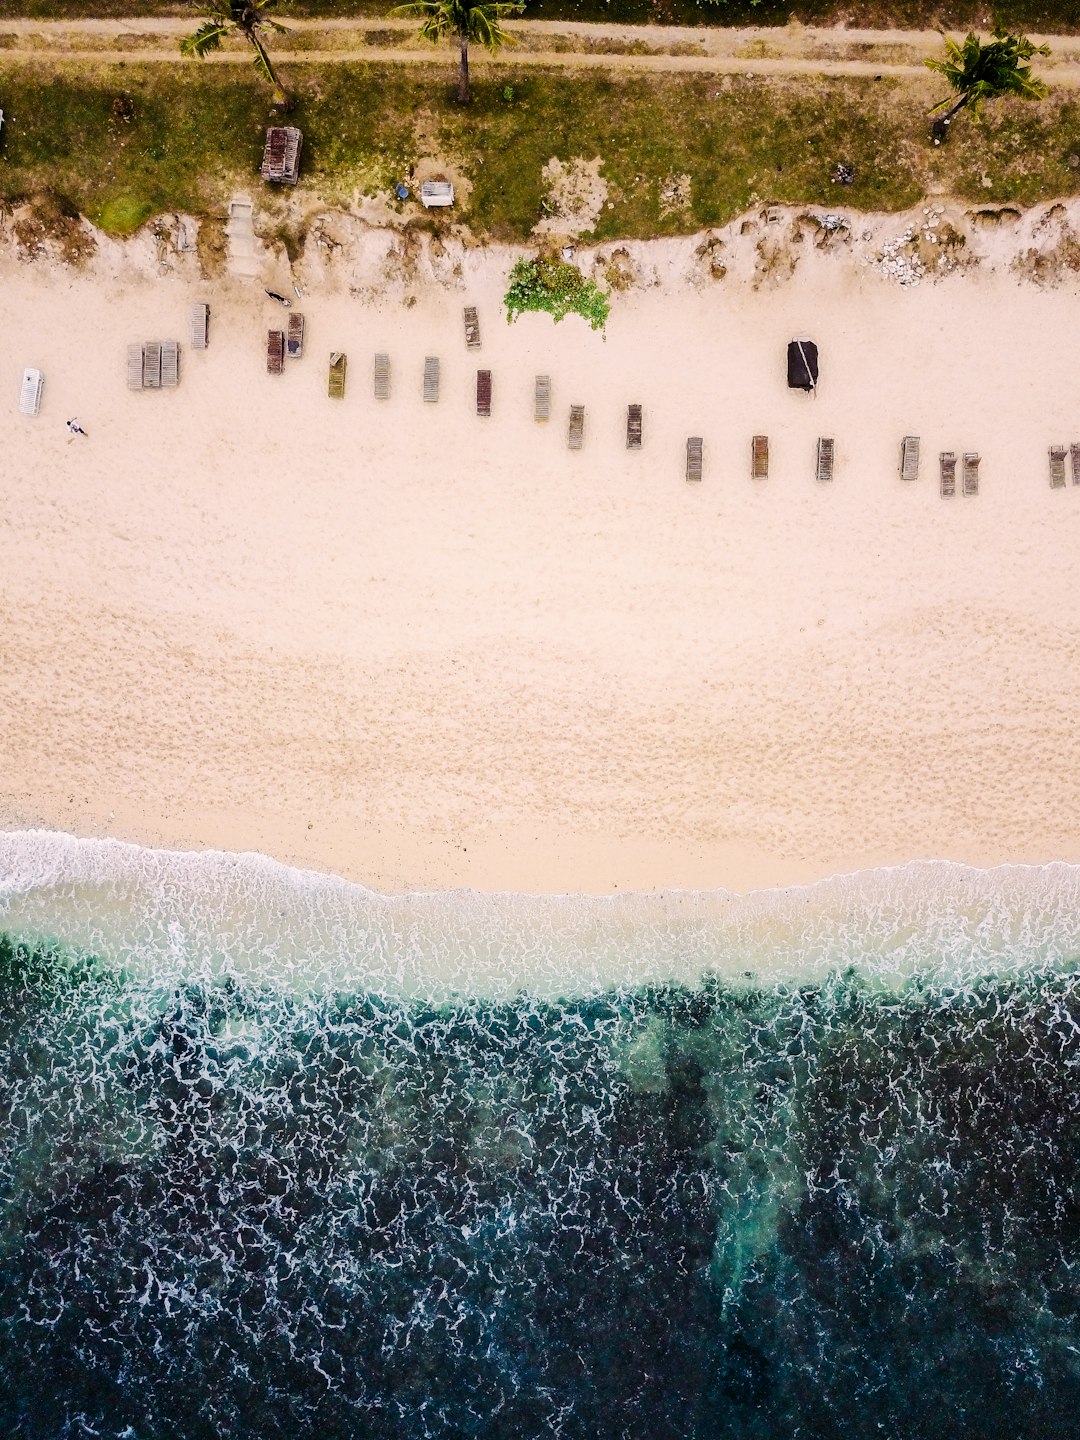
(33, 382)
(826, 449)
(576, 434)
(436, 192)
(382, 376)
(542, 398)
(483, 392)
(170, 364)
(909, 457)
(336, 383)
(294, 342)
(759, 458)
(802, 365)
(633, 427)
(151, 365)
(472, 328)
(431, 380)
(281, 155)
(1057, 466)
(1074, 457)
(200, 325)
(693, 457)
(971, 472)
(275, 351)
(134, 366)
(947, 462)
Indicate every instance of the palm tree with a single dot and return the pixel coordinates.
(240, 17)
(477, 20)
(979, 72)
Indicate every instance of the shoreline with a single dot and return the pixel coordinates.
(423, 651)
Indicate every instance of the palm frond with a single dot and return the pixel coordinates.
(208, 37)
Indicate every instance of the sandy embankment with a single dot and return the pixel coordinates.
(423, 649)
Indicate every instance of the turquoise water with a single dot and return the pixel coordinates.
(282, 1158)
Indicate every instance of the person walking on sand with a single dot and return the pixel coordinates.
(75, 427)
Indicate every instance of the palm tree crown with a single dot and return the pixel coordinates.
(244, 17)
(479, 23)
(979, 72)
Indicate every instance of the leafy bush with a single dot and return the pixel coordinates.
(556, 287)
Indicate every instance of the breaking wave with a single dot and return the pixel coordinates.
(282, 1157)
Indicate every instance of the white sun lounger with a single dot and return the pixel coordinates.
(134, 367)
(431, 380)
(30, 394)
(170, 364)
(200, 325)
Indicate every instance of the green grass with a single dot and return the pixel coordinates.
(196, 133)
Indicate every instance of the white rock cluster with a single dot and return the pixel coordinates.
(896, 265)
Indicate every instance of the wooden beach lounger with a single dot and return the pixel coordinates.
(382, 376)
(1074, 455)
(483, 392)
(759, 457)
(633, 427)
(1057, 466)
(948, 472)
(826, 449)
(909, 457)
(576, 434)
(200, 326)
(134, 367)
(275, 351)
(151, 365)
(170, 364)
(472, 328)
(336, 384)
(693, 458)
(542, 400)
(33, 383)
(294, 344)
(431, 380)
(971, 473)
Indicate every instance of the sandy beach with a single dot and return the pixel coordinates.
(422, 650)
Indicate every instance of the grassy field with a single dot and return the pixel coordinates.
(196, 132)
(1048, 16)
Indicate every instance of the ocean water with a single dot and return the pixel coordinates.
(283, 1157)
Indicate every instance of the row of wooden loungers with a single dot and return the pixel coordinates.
(825, 456)
(154, 365)
(947, 472)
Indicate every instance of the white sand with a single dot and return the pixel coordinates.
(421, 649)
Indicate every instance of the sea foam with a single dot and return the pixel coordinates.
(208, 912)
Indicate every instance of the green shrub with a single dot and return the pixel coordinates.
(556, 287)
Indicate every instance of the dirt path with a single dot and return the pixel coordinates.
(796, 50)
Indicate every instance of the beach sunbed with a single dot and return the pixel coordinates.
(382, 376)
(1074, 456)
(1057, 466)
(971, 473)
(336, 384)
(947, 461)
(576, 434)
(483, 392)
(633, 427)
(151, 365)
(759, 457)
(436, 192)
(200, 326)
(542, 398)
(472, 328)
(294, 342)
(693, 458)
(170, 364)
(431, 380)
(134, 367)
(33, 382)
(826, 451)
(275, 351)
(909, 457)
